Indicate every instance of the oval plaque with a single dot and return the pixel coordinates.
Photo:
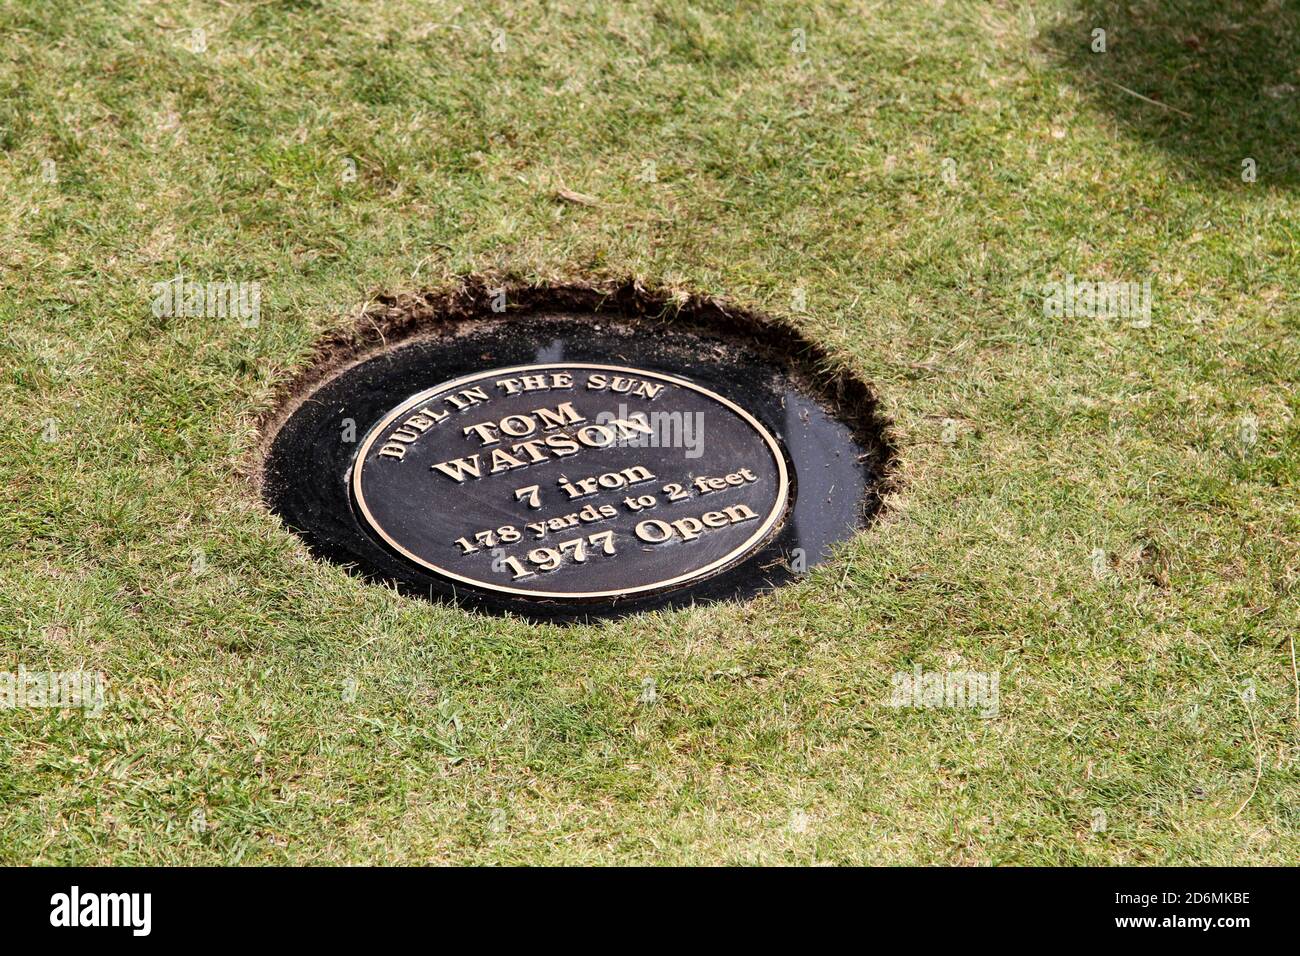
(571, 481)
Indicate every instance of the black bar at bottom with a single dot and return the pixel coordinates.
(335, 906)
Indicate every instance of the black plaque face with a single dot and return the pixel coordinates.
(565, 466)
(571, 481)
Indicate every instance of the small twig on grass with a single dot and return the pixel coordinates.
(581, 199)
(1147, 99)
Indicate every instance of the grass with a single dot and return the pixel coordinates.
(268, 709)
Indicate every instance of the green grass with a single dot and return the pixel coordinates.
(478, 740)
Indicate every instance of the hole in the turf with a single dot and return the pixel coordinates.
(568, 453)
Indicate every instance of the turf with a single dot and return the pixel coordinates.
(1101, 511)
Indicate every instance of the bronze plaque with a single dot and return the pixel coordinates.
(571, 481)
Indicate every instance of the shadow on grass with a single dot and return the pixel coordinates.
(1224, 75)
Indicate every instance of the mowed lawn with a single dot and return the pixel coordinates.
(1101, 511)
